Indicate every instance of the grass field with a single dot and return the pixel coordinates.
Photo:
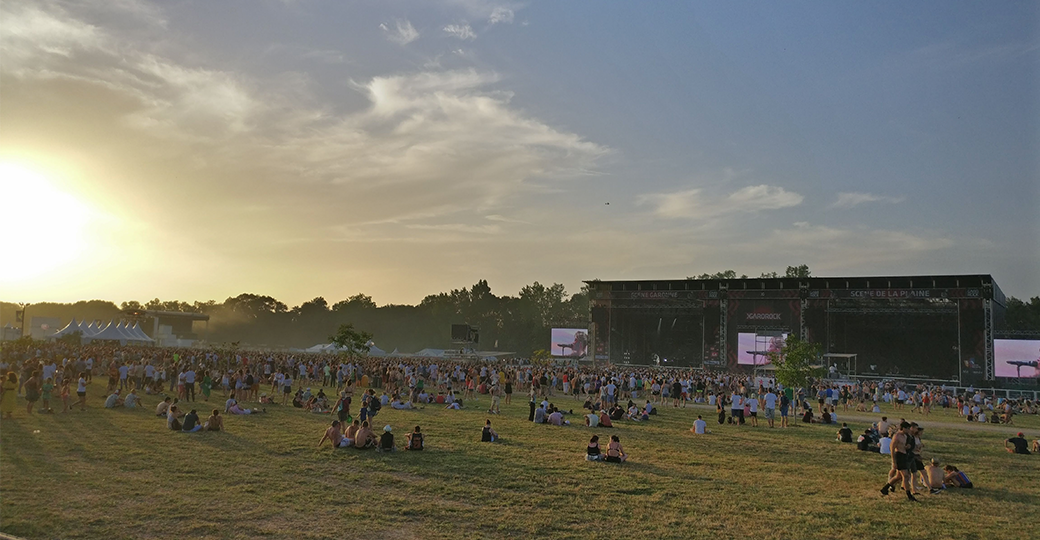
(120, 474)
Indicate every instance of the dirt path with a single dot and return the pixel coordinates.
(933, 421)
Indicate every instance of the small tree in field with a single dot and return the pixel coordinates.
(354, 342)
(541, 358)
(795, 362)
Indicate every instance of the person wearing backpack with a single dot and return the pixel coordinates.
(414, 440)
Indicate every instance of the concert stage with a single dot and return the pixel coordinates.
(931, 327)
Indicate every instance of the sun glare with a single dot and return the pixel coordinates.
(45, 227)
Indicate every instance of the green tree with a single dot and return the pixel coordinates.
(800, 271)
(1023, 316)
(354, 342)
(725, 274)
(796, 362)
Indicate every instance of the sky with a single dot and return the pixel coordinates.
(196, 150)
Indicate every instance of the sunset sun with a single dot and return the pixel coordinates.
(46, 227)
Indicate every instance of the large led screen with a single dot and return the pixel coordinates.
(753, 349)
(569, 342)
(1016, 357)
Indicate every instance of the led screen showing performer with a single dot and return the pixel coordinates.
(753, 349)
(1018, 358)
(569, 342)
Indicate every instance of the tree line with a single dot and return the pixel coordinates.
(519, 323)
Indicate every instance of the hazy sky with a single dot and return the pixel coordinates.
(196, 150)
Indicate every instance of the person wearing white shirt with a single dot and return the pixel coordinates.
(770, 404)
(737, 408)
(189, 384)
(700, 427)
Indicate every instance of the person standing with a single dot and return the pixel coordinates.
(32, 391)
(8, 395)
(81, 391)
(900, 462)
(769, 402)
(189, 384)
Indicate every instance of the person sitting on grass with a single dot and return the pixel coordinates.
(365, 437)
(1019, 444)
(401, 404)
(414, 440)
(132, 401)
(235, 408)
(351, 431)
(454, 405)
(113, 400)
(807, 418)
(865, 442)
(386, 440)
(215, 422)
(591, 420)
(173, 418)
(487, 434)
(700, 427)
(885, 444)
(615, 453)
(163, 407)
(556, 418)
(334, 436)
(633, 413)
(592, 452)
(540, 417)
(933, 476)
(604, 419)
(191, 422)
(845, 434)
(956, 478)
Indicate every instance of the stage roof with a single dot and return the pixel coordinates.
(879, 287)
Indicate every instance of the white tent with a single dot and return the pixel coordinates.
(73, 326)
(110, 333)
(86, 329)
(124, 329)
(139, 333)
(375, 351)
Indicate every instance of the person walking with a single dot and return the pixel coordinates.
(900, 471)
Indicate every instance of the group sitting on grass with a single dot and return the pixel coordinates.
(359, 435)
(614, 454)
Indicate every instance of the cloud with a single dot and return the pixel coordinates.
(459, 227)
(402, 33)
(851, 199)
(852, 246)
(501, 14)
(694, 204)
(461, 31)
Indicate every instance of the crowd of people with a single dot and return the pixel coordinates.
(183, 377)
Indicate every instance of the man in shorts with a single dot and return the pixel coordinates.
(769, 402)
(737, 407)
(900, 462)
